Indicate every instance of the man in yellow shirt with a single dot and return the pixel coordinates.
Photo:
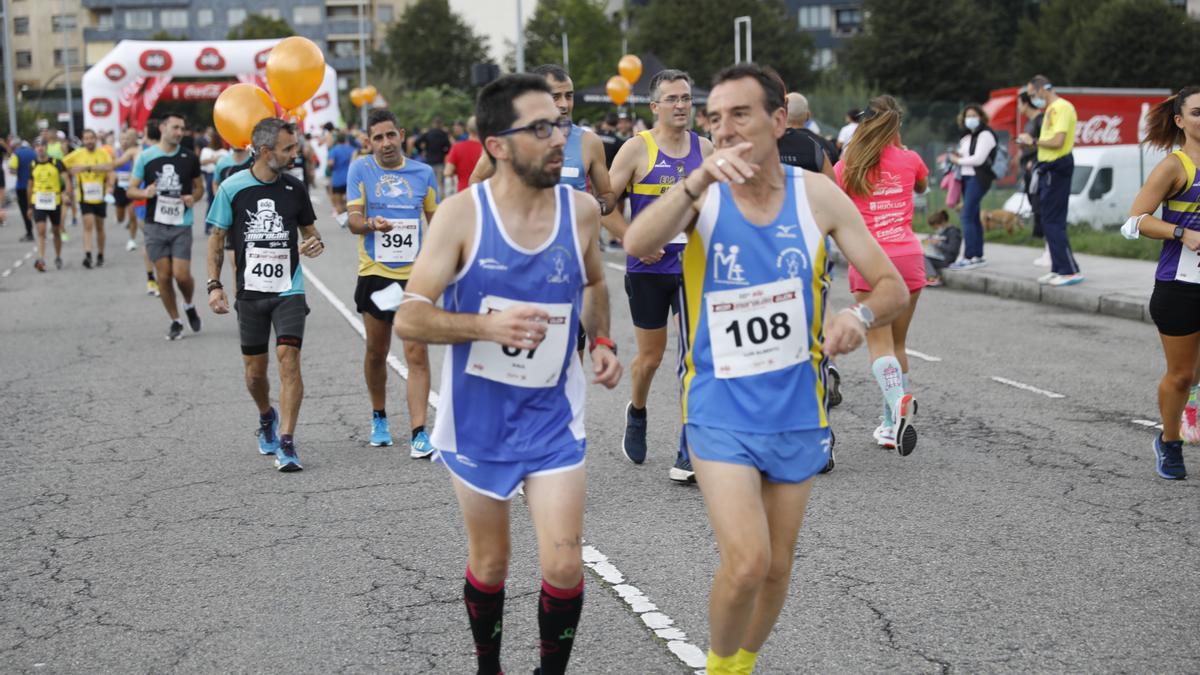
(48, 186)
(93, 190)
(1054, 169)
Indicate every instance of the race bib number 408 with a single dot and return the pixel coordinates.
(532, 368)
(758, 329)
(401, 243)
(268, 270)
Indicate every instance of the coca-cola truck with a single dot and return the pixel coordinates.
(1110, 164)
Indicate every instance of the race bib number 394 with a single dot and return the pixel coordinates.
(532, 368)
(268, 270)
(758, 329)
(168, 210)
(401, 243)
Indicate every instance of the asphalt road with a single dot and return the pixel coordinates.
(143, 532)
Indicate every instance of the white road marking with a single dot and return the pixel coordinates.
(5, 274)
(18, 264)
(614, 266)
(1027, 387)
(658, 623)
(922, 356)
(661, 624)
(1148, 423)
(29, 255)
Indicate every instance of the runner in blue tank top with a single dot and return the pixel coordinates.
(755, 274)
(1175, 305)
(517, 262)
(644, 169)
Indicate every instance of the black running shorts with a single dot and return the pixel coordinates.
(55, 217)
(1175, 308)
(652, 297)
(255, 317)
(99, 210)
(369, 284)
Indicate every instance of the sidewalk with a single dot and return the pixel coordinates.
(1114, 286)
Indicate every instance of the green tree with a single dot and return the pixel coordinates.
(697, 36)
(430, 46)
(898, 53)
(1046, 40)
(259, 27)
(593, 39)
(1163, 61)
(164, 36)
(415, 108)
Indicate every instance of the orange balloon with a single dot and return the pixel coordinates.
(369, 93)
(356, 97)
(300, 113)
(295, 71)
(238, 109)
(618, 89)
(630, 68)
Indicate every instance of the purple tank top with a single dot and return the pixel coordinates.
(664, 172)
(1176, 263)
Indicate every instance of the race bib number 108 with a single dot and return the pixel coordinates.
(758, 329)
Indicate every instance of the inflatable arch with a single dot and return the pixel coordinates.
(122, 89)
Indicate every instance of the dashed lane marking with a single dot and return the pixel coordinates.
(12, 268)
(658, 623)
(1150, 424)
(921, 355)
(1027, 387)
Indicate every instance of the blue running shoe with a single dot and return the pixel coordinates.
(287, 459)
(420, 446)
(268, 434)
(381, 431)
(682, 472)
(1169, 458)
(634, 443)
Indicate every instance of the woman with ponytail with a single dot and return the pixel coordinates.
(1175, 303)
(880, 175)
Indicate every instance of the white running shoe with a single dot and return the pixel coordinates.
(131, 245)
(1043, 260)
(883, 435)
(1047, 278)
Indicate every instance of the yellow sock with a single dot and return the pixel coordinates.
(743, 662)
(722, 665)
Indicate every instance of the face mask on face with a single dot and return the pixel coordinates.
(1038, 102)
(971, 123)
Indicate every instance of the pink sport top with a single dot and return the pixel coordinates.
(889, 209)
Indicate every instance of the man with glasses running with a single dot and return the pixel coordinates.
(646, 166)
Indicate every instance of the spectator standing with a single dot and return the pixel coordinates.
(847, 131)
(434, 145)
(463, 156)
(1028, 161)
(976, 149)
(1053, 177)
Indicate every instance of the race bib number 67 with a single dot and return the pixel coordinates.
(758, 329)
(533, 368)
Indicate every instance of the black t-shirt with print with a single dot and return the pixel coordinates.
(265, 216)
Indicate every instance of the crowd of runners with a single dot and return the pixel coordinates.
(728, 234)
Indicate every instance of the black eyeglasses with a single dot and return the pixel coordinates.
(541, 128)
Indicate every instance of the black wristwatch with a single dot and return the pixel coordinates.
(1179, 230)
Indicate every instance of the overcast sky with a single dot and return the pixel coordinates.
(495, 19)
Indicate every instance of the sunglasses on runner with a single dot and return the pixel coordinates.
(541, 128)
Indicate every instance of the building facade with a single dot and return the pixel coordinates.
(830, 23)
(47, 41)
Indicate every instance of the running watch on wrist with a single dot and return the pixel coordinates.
(1179, 230)
(612, 346)
(862, 313)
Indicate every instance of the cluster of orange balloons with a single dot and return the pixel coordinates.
(295, 71)
(363, 96)
(620, 86)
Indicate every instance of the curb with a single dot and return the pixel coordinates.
(1121, 305)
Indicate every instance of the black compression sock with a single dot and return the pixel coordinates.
(636, 412)
(380, 413)
(558, 617)
(485, 611)
(417, 430)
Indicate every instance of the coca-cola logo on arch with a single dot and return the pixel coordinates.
(115, 72)
(210, 59)
(320, 103)
(155, 60)
(260, 59)
(1099, 130)
(100, 107)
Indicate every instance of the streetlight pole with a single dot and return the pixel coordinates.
(9, 97)
(562, 24)
(737, 39)
(520, 40)
(362, 56)
(67, 71)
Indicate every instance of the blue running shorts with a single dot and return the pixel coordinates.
(785, 457)
(500, 480)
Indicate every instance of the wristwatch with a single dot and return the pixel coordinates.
(862, 313)
(1179, 230)
(612, 346)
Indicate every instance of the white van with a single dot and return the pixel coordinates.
(1106, 180)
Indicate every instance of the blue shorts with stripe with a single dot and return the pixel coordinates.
(784, 457)
(500, 480)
